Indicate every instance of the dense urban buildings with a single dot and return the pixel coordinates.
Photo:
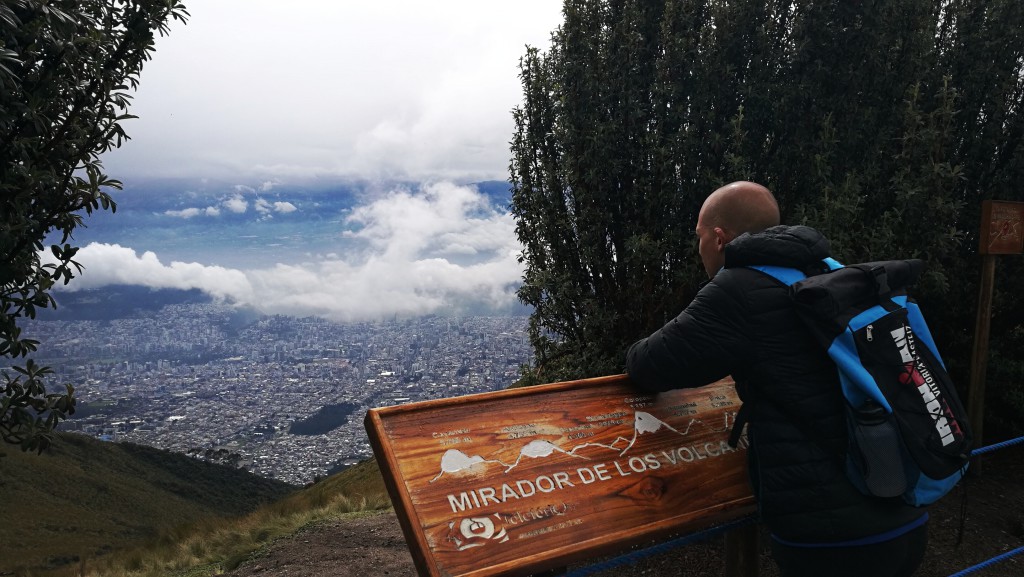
(283, 397)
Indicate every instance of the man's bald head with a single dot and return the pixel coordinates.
(727, 213)
(740, 207)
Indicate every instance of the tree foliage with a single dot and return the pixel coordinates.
(883, 123)
(66, 68)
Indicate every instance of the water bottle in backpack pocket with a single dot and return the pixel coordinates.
(876, 451)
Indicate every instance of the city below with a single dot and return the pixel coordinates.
(279, 396)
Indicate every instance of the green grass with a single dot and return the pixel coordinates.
(213, 546)
(86, 508)
(84, 498)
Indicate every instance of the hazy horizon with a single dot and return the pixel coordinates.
(346, 252)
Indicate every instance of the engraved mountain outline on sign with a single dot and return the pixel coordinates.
(538, 449)
(642, 423)
(455, 461)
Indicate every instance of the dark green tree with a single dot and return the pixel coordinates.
(66, 68)
(882, 123)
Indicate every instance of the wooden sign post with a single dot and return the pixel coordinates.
(523, 480)
(1002, 232)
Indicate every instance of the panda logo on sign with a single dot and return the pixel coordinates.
(476, 532)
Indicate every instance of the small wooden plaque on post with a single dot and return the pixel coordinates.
(1002, 227)
(523, 480)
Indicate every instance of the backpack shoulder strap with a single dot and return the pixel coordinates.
(832, 263)
(785, 275)
(788, 276)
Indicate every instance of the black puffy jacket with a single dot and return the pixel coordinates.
(743, 324)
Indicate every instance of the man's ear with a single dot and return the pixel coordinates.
(721, 238)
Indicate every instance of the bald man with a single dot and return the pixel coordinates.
(730, 211)
(743, 323)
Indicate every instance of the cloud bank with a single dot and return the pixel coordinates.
(439, 249)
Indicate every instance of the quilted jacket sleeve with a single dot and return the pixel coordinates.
(705, 343)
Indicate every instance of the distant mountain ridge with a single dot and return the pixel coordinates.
(118, 302)
(130, 301)
(84, 497)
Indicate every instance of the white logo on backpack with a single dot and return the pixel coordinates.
(919, 376)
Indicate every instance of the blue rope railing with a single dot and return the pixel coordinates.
(998, 558)
(634, 556)
(997, 446)
(992, 561)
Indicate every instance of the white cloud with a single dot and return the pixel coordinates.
(186, 213)
(442, 221)
(443, 248)
(193, 212)
(236, 204)
(265, 207)
(106, 264)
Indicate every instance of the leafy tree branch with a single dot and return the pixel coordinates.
(66, 67)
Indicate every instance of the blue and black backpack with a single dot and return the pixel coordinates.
(908, 432)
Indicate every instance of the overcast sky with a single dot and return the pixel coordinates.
(266, 92)
(373, 89)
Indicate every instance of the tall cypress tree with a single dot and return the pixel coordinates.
(882, 123)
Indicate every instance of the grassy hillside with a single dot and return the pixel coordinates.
(216, 545)
(84, 498)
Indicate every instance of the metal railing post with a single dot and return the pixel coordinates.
(742, 552)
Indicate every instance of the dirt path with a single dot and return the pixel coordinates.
(373, 544)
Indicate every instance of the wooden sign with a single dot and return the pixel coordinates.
(1002, 227)
(522, 480)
